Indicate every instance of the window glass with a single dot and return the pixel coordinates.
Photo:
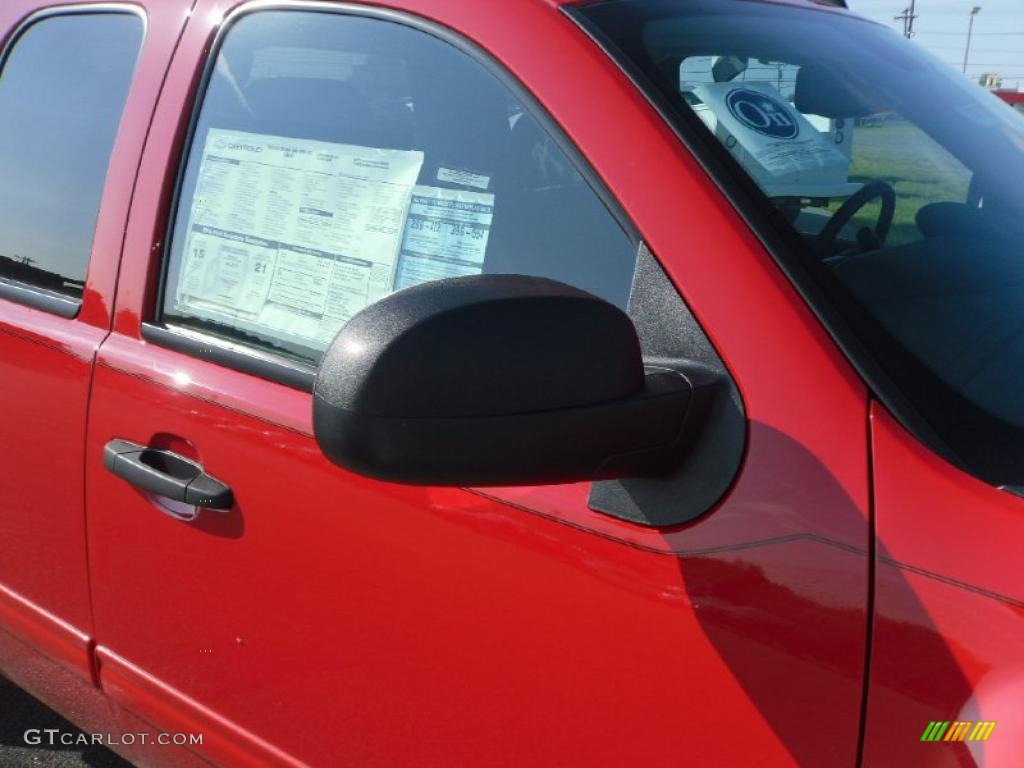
(339, 158)
(62, 91)
(900, 178)
(887, 147)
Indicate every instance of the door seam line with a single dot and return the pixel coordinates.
(872, 571)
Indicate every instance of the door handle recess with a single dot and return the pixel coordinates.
(166, 474)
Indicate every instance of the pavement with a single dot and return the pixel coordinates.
(19, 712)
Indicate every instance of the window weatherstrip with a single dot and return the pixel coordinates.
(235, 356)
(37, 298)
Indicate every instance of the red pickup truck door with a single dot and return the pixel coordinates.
(331, 619)
(68, 72)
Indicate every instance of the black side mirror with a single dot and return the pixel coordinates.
(496, 380)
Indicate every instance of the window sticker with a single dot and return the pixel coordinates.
(463, 178)
(786, 155)
(291, 237)
(445, 236)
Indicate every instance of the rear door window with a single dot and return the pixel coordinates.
(63, 87)
(338, 158)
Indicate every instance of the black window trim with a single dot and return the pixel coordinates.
(277, 367)
(229, 354)
(775, 235)
(18, 291)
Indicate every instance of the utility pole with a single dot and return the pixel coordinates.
(907, 17)
(970, 29)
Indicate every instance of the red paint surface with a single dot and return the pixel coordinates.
(513, 627)
(45, 373)
(949, 608)
(330, 619)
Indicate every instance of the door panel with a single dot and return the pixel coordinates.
(338, 618)
(378, 615)
(46, 359)
(345, 621)
(949, 609)
(45, 368)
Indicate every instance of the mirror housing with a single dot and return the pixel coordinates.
(497, 380)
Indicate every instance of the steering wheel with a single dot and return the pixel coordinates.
(825, 244)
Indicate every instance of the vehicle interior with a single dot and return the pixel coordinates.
(927, 240)
(320, 81)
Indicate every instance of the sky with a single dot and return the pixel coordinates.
(997, 44)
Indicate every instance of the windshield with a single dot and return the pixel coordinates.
(898, 180)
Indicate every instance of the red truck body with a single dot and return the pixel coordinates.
(849, 588)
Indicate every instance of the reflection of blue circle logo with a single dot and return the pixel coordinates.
(762, 113)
